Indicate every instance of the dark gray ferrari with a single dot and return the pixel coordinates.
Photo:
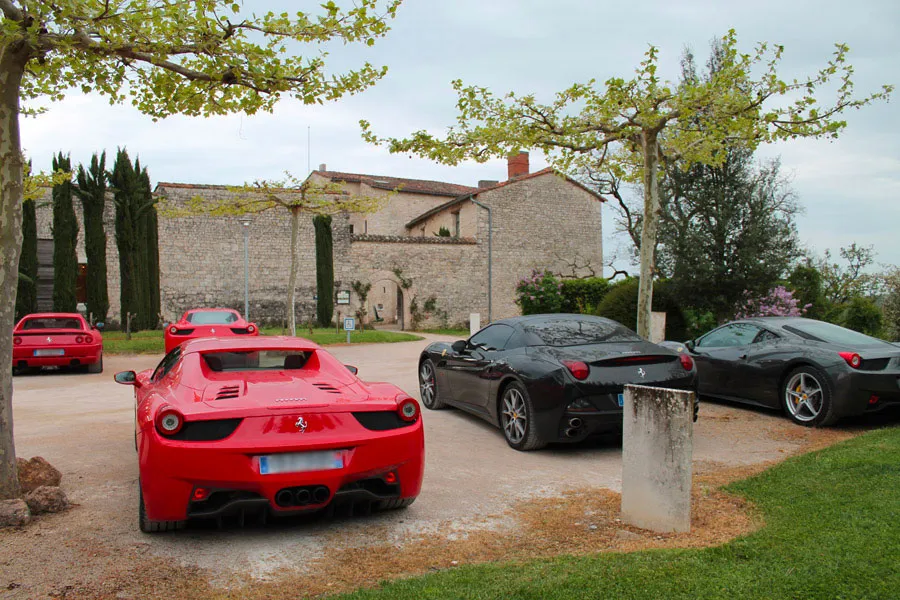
(548, 378)
(815, 371)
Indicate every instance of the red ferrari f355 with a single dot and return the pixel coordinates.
(268, 425)
(207, 322)
(57, 340)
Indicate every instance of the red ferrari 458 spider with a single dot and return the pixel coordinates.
(269, 425)
(57, 340)
(207, 322)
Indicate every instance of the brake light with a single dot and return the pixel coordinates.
(78, 339)
(173, 330)
(200, 494)
(17, 340)
(88, 339)
(169, 421)
(250, 328)
(578, 369)
(408, 410)
(853, 359)
(390, 478)
(686, 361)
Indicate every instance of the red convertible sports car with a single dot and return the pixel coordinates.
(268, 425)
(207, 322)
(56, 340)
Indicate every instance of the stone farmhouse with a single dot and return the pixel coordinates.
(532, 220)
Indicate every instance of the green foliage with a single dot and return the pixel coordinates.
(583, 295)
(91, 191)
(324, 270)
(842, 282)
(405, 282)
(698, 322)
(806, 282)
(65, 240)
(828, 529)
(26, 294)
(863, 315)
(538, 293)
(443, 232)
(620, 304)
(362, 292)
(429, 308)
(892, 304)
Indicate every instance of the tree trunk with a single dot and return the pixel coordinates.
(292, 280)
(12, 164)
(650, 150)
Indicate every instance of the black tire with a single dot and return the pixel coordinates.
(96, 367)
(148, 526)
(428, 390)
(807, 397)
(394, 503)
(515, 404)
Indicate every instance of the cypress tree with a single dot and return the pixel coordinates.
(91, 191)
(140, 209)
(65, 238)
(26, 294)
(324, 270)
(122, 179)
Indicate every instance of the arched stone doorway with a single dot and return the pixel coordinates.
(388, 302)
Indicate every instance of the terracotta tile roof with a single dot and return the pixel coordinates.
(413, 239)
(463, 197)
(413, 186)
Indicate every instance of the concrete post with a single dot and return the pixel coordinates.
(657, 447)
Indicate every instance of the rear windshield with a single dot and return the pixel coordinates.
(212, 317)
(826, 332)
(52, 323)
(257, 360)
(575, 332)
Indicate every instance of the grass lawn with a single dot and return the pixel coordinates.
(151, 342)
(832, 530)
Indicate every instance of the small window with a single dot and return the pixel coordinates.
(351, 229)
(729, 336)
(492, 337)
(765, 336)
(170, 360)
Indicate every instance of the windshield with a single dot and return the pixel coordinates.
(212, 317)
(576, 332)
(257, 360)
(834, 334)
(52, 323)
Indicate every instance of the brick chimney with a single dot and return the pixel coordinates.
(487, 183)
(517, 165)
(323, 167)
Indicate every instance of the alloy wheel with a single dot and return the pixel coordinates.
(426, 384)
(804, 397)
(514, 416)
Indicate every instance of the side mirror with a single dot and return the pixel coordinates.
(98, 326)
(352, 369)
(459, 346)
(690, 345)
(127, 378)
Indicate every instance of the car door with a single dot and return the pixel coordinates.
(470, 370)
(721, 357)
(759, 372)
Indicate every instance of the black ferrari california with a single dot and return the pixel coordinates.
(548, 378)
(815, 371)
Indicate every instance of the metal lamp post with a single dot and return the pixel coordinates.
(246, 223)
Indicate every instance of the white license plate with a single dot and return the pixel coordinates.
(50, 352)
(301, 462)
(621, 399)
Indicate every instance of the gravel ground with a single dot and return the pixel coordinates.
(474, 483)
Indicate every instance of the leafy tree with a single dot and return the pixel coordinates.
(863, 315)
(806, 282)
(26, 296)
(294, 195)
(65, 241)
(443, 232)
(165, 58)
(540, 292)
(324, 270)
(892, 304)
(621, 304)
(91, 191)
(778, 302)
(627, 126)
(845, 282)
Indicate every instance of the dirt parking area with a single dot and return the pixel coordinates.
(475, 489)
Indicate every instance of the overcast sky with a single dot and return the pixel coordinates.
(849, 188)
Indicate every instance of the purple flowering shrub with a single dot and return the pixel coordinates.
(779, 302)
(540, 292)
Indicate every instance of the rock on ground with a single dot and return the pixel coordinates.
(46, 499)
(35, 473)
(14, 513)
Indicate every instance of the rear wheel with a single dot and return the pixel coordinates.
(148, 526)
(96, 367)
(428, 386)
(807, 397)
(517, 418)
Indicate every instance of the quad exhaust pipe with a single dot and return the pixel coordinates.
(314, 494)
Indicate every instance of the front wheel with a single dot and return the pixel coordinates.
(517, 419)
(428, 388)
(807, 397)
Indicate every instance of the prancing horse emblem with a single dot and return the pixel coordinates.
(641, 372)
(212, 330)
(301, 424)
(49, 340)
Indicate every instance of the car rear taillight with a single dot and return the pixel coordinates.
(686, 361)
(578, 369)
(79, 339)
(853, 359)
(251, 328)
(88, 339)
(169, 421)
(390, 478)
(173, 330)
(408, 410)
(17, 340)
